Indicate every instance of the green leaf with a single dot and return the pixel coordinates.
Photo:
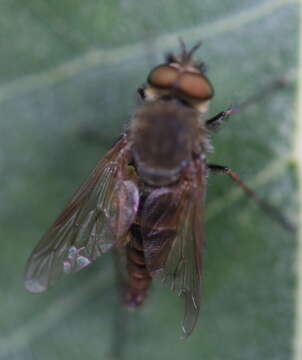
(68, 67)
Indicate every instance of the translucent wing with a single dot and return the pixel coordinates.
(172, 232)
(86, 227)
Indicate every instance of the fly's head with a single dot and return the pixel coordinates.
(180, 78)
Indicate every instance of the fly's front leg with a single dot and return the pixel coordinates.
(265, 206)
(216, 121)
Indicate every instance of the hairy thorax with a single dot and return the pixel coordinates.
(165, 136)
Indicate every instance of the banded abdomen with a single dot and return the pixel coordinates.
(151, 235)
(139, 278)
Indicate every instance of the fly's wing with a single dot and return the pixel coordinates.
(86, 227)
(172, 232)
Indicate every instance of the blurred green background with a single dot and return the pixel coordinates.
(72, 67)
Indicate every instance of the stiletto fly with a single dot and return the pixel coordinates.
(146, 196)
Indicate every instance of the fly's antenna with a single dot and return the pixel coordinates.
(194, 49)
(182, 48)
(186, 55)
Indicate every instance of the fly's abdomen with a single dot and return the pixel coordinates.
(139, 278)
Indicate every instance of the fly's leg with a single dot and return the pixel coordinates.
(265, 206)
(266, 91)
(216, 121)
(91, 136)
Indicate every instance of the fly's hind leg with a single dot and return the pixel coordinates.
(269, 209)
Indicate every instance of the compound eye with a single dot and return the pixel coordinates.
(196, 86)
(163, 76)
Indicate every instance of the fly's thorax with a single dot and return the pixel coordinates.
(164, 136)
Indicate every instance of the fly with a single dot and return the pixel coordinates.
(146, 196)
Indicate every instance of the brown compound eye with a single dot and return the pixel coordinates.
(163, 76)
(195, 85)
